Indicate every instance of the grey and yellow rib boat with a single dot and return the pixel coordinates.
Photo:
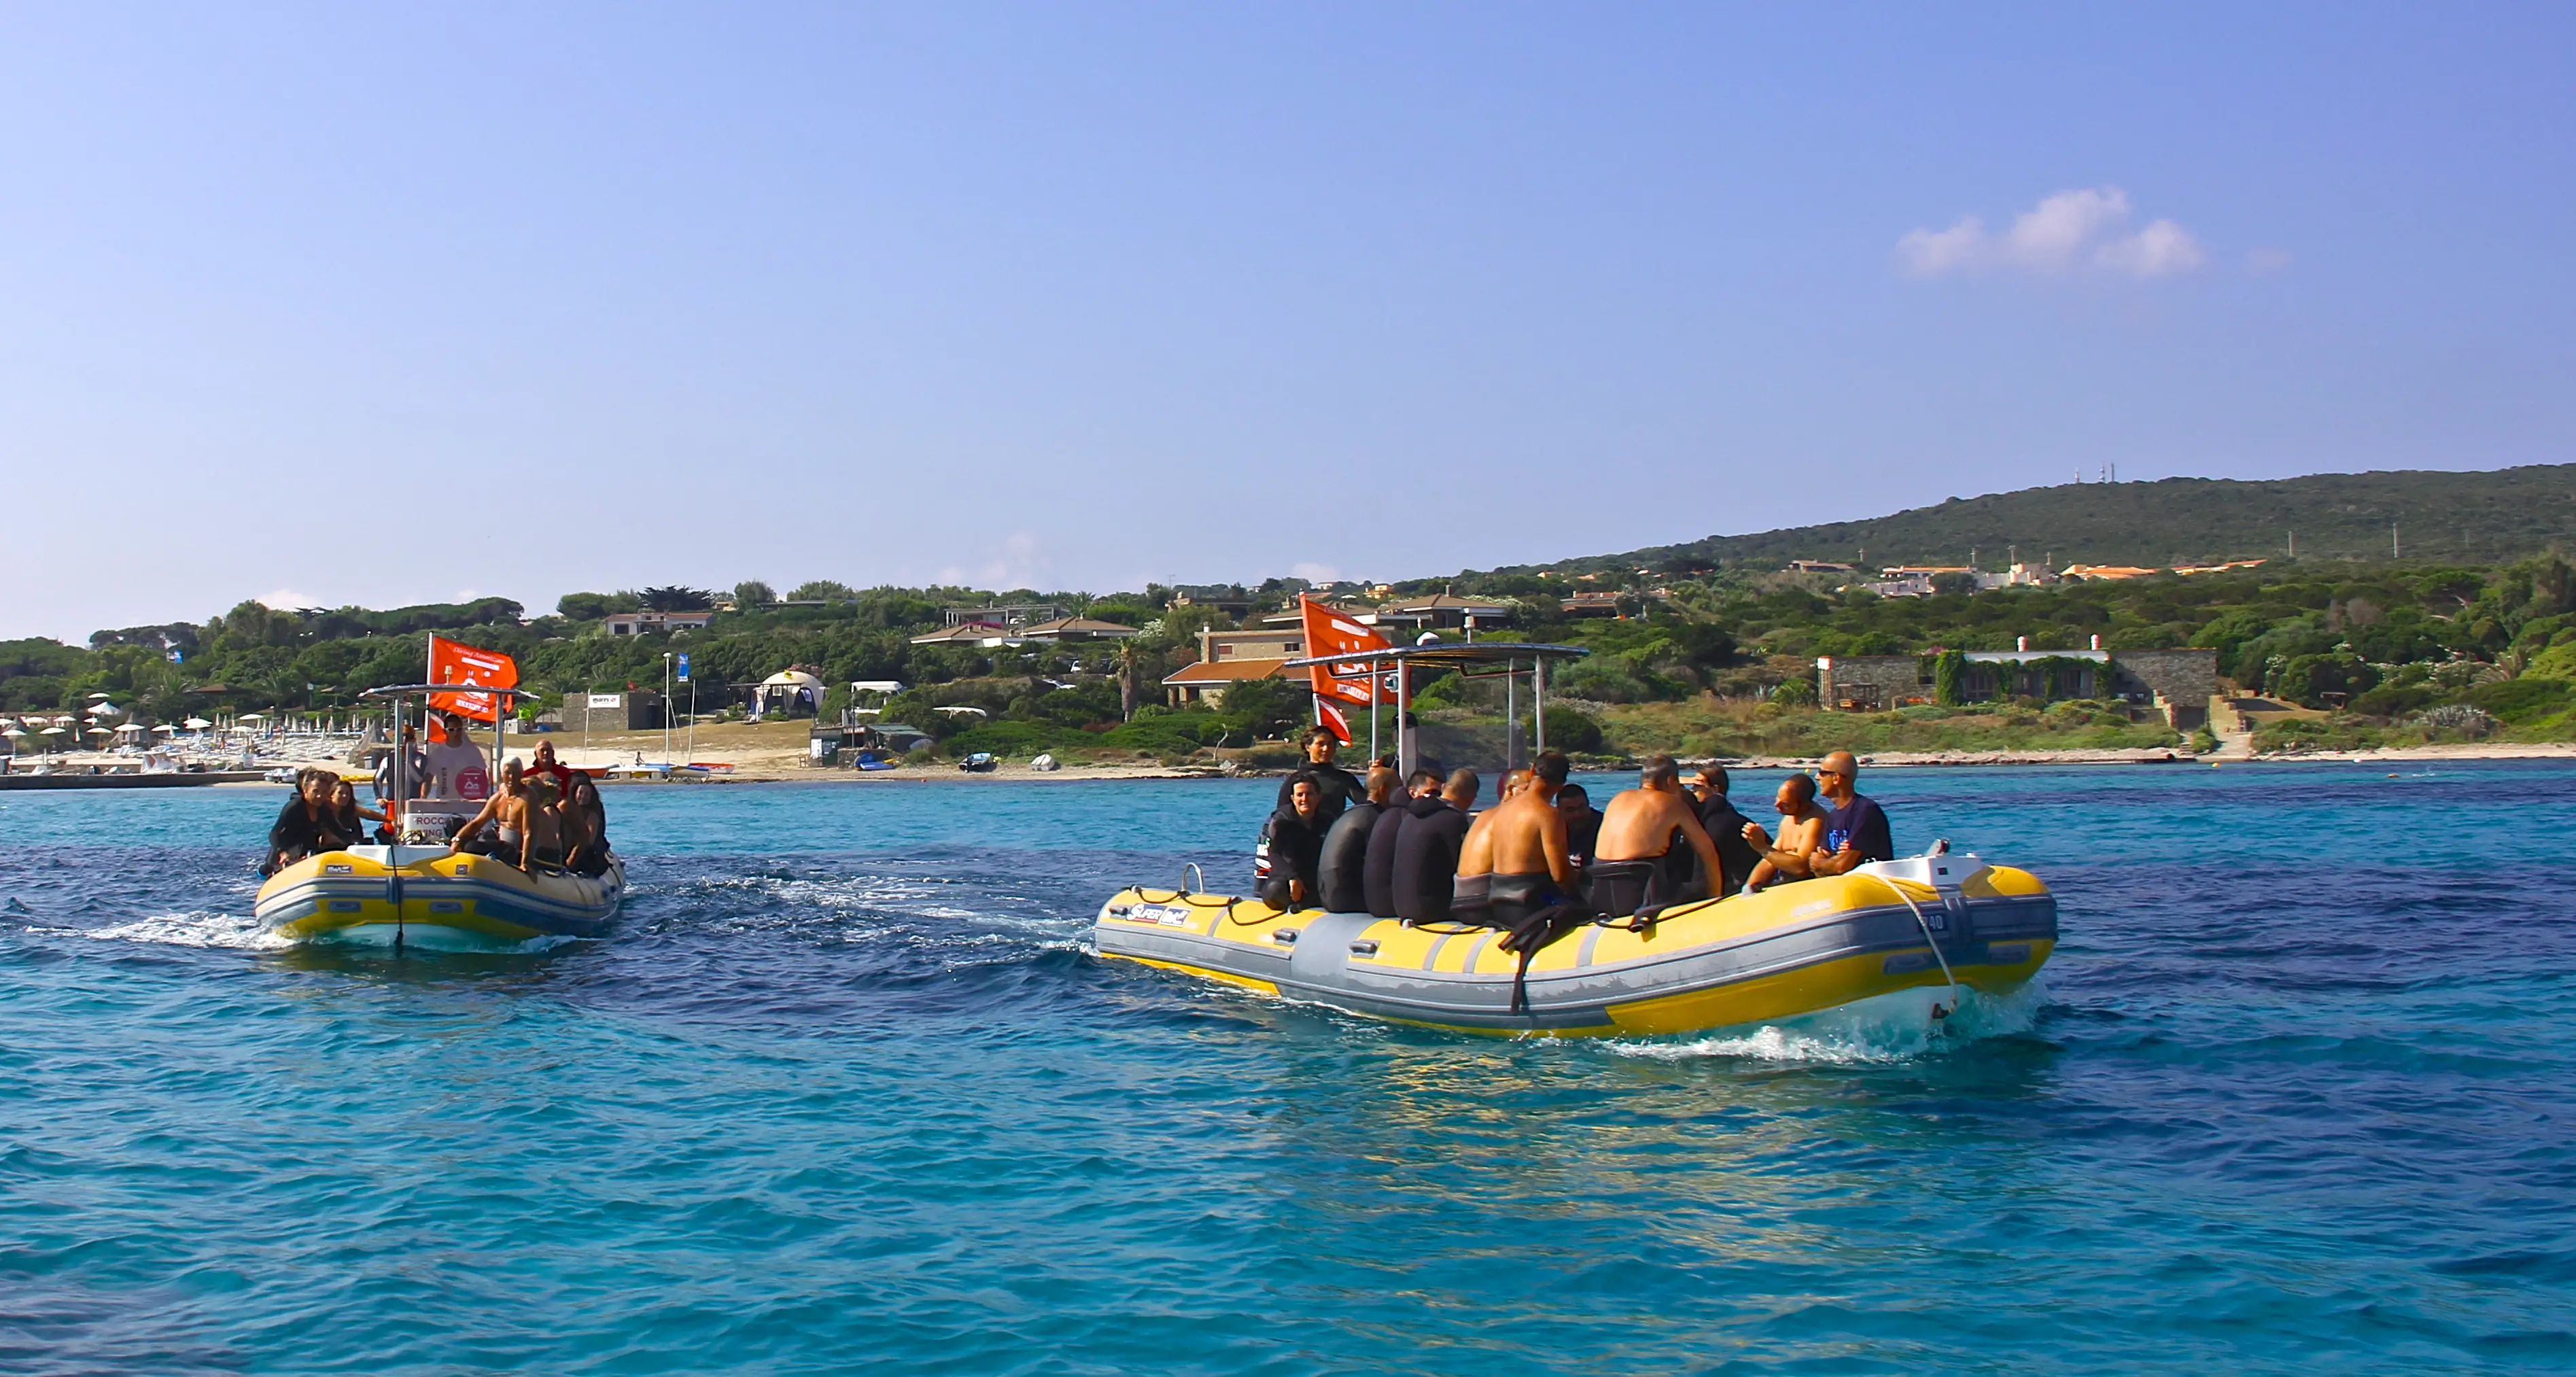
(1921, 923)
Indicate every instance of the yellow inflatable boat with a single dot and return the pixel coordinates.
(423, 894)
(1942, 924)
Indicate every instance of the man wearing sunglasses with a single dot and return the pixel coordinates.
(1855, 827)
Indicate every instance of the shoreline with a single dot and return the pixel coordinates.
(1070, 773)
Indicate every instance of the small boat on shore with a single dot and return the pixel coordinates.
(425, 895)
(1941, 924)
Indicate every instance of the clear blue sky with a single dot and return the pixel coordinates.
(387, 304)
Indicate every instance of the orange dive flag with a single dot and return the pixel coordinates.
(1330, 633)
(451, 663)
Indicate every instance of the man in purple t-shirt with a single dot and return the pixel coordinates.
(1855, 827)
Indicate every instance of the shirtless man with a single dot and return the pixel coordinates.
(1636, 866)
(502, 811)
(1802, 831)
(1514, 855)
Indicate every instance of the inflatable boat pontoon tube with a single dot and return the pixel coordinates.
(1790, 950)
(428, 895)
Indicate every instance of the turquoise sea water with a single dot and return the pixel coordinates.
(844, 1094)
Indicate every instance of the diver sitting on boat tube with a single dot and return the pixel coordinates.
(1514, 862)
(1296, 846)
(1640, 868)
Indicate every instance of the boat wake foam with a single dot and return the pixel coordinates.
(228, 931)
(1883, 1028)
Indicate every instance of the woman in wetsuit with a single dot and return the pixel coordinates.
(349, 817)
(306, 826)
(585, 829)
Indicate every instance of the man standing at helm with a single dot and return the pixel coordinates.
(455, 768)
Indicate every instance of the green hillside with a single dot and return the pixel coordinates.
(2478, 518)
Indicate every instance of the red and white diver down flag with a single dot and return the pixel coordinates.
(1343, 681)
(451, 663)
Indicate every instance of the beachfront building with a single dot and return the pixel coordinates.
(2176, 685)
(635, 710)
(655, 623)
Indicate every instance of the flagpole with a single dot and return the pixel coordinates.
(1373, 678)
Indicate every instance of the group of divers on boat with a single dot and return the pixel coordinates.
(540, 815)
(1666, 910)
(459, 852)
(1543, 858)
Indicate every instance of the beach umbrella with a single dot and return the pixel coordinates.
(104, 710)
(16, 733)
(52, 731)
(166, 729)
(134, 727)
(251, 717)
(196, 724)
(66, 721)
(100, 731)
(96, 696)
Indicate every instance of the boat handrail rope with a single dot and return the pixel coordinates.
(1921, 922)
(1183, 896)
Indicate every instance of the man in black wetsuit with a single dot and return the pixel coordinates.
(1342, 873)
(1386, 838)
(1296, 846)
(1725, 827)
(1855, 827)
(1426, 850)
(1336, 787)
(1582, 823)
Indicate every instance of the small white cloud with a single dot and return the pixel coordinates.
(288, 600)
(2068, 233)
(2267, 260)
(1017, 562)
(1315, 573)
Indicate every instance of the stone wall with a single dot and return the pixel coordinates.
(1869, 682)
(2184, 679)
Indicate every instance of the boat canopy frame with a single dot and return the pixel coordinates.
(1473, 660)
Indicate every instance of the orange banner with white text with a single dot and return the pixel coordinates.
(451, 663)
(1330, 633)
